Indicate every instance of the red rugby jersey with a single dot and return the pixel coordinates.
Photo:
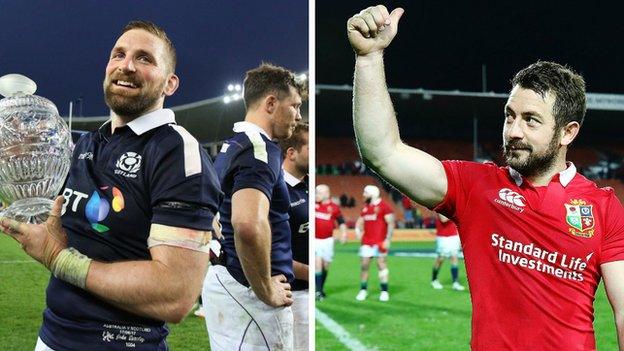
(447, 228)
(532, 255)
(325, 215)
(375, 226)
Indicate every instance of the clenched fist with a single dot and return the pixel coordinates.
(373, 29)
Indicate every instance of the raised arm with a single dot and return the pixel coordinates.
(612, 274)
(414, 172)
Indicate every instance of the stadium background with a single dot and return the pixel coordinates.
(64, 47)
(449, 70)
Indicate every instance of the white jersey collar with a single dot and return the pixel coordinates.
(565, 176)
(149, 121)
(290, 179)
(152, 120)
(242, 127)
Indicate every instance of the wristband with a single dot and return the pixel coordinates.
(72, 267)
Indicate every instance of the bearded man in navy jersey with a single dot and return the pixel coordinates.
(127, 241)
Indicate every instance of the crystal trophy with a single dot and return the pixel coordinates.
(35, 150)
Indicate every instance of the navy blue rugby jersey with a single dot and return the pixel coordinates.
(251, 160)
(149, 171)
(299, 218)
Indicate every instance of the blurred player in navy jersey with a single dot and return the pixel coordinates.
(295, 152)
(247, 297)
(447, 245)
(375, 227)
(326, 215)
(130, 250)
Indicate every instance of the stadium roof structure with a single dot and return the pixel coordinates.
(209, 120)
(434, 114)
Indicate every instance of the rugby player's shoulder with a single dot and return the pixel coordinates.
(170, 136)
(591, 188)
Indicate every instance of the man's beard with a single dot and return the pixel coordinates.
(129, 106)
(533, 164)
(302, 168)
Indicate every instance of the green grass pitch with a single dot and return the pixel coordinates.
(416, 317)
(22, 300)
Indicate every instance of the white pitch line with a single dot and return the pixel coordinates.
(340, 333)
(17, 261)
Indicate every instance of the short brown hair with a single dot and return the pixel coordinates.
(269, 79)
(296, 140)
(567, 86)
(160, 33)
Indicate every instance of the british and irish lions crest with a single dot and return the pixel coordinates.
(580, 216)
(35, 150)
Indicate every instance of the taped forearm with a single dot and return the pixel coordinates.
(72, 267)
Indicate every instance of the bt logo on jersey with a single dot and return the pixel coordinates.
(97, 208)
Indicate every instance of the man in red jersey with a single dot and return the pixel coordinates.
(537, 236)
(326, 215)
(375, 227)
(447, 245)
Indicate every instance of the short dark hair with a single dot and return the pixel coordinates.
(296, 140)
(160, 33)
(269, 79)
(567, 86)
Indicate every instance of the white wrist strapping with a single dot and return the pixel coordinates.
(72, 267)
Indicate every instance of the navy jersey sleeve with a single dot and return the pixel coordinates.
(257, 166)
(184, 188)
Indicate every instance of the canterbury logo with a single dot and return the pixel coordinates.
(511, 197)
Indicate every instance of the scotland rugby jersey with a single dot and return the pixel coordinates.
(533, 254)
(251, 160)
(149, 171)
(298, 191)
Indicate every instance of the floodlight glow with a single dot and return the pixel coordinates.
(235, 97)
(237, 87)
(303, 76)
(226, 99)
(230, 87)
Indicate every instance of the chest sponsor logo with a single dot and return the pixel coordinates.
(580, 217)
(531, 256)
(323, 216)
(370, 217)
(97, 207)
(511, 199)
(128, 164)
(303, 229)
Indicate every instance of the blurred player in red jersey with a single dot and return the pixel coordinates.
(377, 222)
(447, 245)
(326, 215)
(537, 236)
